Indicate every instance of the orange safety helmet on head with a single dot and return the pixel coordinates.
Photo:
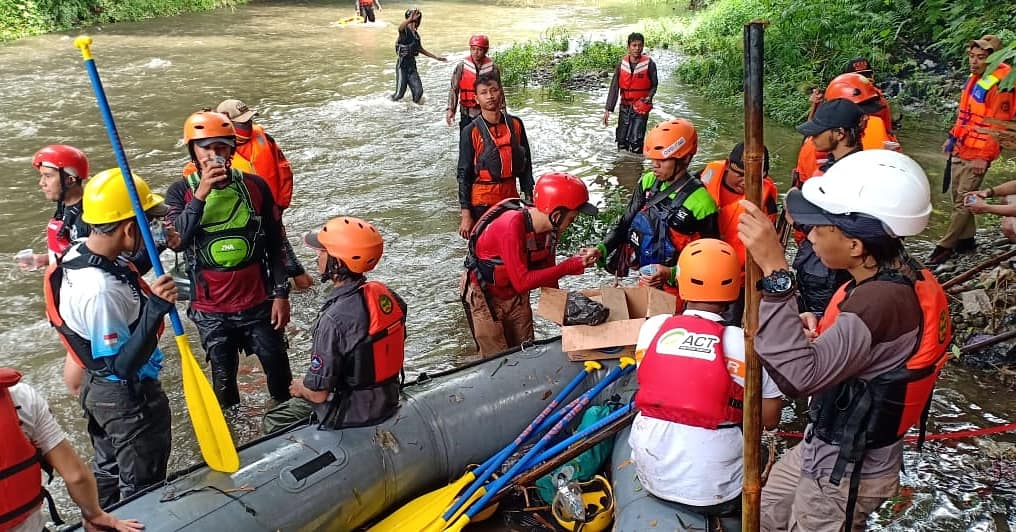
(708, 270)
(353, 241)
(856, 88)
(479, 40)
(675, 139)
(558, 190)
(63, 157)
(207, 125)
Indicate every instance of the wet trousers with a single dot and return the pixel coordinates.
(407, 76)
(367, 12)
(497, 324)
(223, 335)
(794, 502)
(129, 426)
(962, 224)
(631, 129)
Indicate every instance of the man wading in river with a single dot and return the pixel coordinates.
(463, 90)
(635, 81)
(408, 46)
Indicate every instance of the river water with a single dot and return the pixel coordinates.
(322, 91)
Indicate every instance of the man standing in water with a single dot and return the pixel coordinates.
(635, 81)
(408, 46)
(493, 154)
(463, 89)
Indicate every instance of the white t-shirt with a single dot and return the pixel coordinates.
(42, 430)
(693, 465)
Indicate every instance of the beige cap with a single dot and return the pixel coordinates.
(988, 42)
(236, 110)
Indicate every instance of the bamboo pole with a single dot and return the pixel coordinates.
(753, 156)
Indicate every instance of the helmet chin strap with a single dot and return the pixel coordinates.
(333, 269)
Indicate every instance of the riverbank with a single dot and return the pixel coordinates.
(23, 18)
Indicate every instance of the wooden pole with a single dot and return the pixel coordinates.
(753, 156)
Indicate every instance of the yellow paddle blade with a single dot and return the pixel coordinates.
(457, 526)
(421, 511)
(206, 415)
(439, 524)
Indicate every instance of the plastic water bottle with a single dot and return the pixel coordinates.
(648, 269)
(569, 499)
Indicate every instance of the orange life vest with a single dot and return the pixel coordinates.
(467, 83)
(491, 272)
(498, 155)
(885, 115)
(857, 415)
(367, 3)
(381, 355)
(633, 80)
(974, 108)
(729, 214)
(683, 376)
(20, 462)
(262, 154)
(875, 134)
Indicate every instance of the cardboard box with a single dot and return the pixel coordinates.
(629, 307)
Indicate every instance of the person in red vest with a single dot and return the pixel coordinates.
(365, 9)
(635, 82)
(686, 441)
(871, 363)
(970, 152)
(511, 251)
(32, 441)
(462, 94)
(494, 155)
(359, 338)
(724, 179)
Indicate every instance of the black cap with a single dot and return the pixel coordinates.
(312, 241)
(856, 225)
(838, 113)
(861, 65)
(737, 156)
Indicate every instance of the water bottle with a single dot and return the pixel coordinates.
(158, 230)
(648, 269)
(569, 498)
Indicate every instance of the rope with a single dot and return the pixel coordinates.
(941, 436)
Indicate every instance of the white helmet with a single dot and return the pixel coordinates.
(882, 184)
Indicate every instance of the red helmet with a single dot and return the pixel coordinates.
(479, 40)
(641, 107)
(63, 157)
(561, 190)
(856, 88)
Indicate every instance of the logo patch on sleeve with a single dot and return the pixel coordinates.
(316, 363)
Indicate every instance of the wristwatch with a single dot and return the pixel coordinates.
(778, 283)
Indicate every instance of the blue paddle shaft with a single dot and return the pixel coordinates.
(125, 170)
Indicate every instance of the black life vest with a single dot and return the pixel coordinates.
(492, 271)
(490, 163)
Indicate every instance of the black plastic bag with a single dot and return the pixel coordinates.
(584, 311)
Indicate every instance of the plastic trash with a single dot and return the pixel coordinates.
(569, 499)
(581, 310)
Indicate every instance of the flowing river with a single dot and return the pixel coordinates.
(322, 91)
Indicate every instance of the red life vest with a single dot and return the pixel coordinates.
(689, 349)
(57, 238)
(20, 462)
(491, 272)
(367, 3)
(467, 83)
(633, 80)
(859, 415)
(974, 109)
(498, 156)
(380, 356)
(79, 348)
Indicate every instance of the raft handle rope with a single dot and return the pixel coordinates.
(959, 434)
(172, 495)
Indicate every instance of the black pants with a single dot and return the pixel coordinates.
(631, 129)
(130, 428)
(407, 76)
(367, 12)
(223, 335)
(466, 117)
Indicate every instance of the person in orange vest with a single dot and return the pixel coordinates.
(724, 180)
(871, 363)
(512, 250)
(861, 65)
(359, 338)
(635, 81)
(462, 94)
(493, 155)
(969, 151)
(257, 153)
(686, 442)
(365, 9)
(33, 441)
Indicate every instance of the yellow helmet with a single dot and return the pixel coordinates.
(598, 498)
(106, 199)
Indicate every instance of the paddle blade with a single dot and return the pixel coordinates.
(420, 512)
(206, 415)
(458, 525)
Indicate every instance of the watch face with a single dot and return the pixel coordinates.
(782, 282)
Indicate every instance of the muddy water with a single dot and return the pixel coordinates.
(322, 91)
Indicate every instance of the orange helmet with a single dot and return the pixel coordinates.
(856, 88)
(708, 270)
(207, 125)
(353, 241)
(675, 139)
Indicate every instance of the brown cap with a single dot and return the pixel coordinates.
(988, 42)
(236, 110)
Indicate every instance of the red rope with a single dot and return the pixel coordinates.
(929, 437)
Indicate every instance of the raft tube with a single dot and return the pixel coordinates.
(310, 479)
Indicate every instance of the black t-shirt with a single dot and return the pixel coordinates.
(408, 46)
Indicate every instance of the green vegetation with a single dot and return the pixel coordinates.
(808, 43)
(587, 230)
(555, 59)
(21, 18)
